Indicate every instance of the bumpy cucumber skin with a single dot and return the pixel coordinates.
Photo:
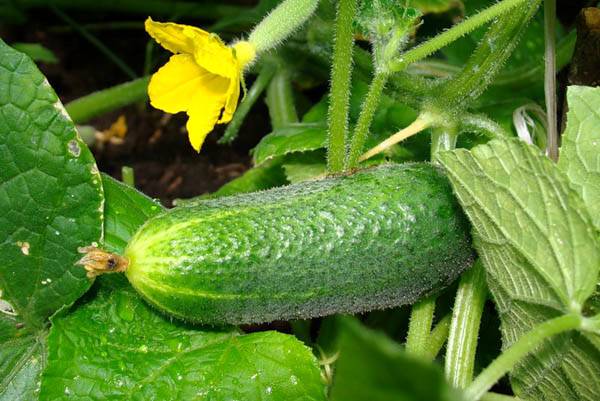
(379, 238)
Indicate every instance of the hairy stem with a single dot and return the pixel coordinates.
(419, 327)
(431, 46)
(280, 23)
(340, 86)
(516, 352)
(550, 77)
(369, 106)
(464, 330)
(438, 337)
(443, 138)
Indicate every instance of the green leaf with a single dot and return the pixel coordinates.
(51, 201)
(373, 367)
(21, 361)
(580, 152)
(265, 176)
(125, 210)
(541, 254)
(305, 166)
(300, 137)
(116, 347)
(36, 52)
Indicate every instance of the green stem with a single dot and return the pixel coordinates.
(438, 337)
(94, 104)
(486, 61)
(454, 33)
(550, 77)
(361, 131)
(280, 99)
(443, 138)
(527, 343)
(97, 43)
(258, 86)
(419, 328)
(127, 176)
(281, 22)
(339, 98)
(482, 125)
(464, 330)
(148, 59)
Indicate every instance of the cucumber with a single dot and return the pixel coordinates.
(379, 238)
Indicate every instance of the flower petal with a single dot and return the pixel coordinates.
(232, 97)
(177, 38)
(203, 117)
(174, 87)
(216, 57)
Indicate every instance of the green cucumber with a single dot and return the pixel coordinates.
(378, 238)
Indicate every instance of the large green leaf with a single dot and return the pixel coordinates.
(580, 152)
(373, 367)
(51, 202)
(541, 254)
(125, 210)
(116, 347)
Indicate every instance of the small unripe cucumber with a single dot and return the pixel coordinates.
(378, 238)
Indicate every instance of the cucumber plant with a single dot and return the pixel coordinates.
(377, 195)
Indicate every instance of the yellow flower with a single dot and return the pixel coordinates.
(202, 78)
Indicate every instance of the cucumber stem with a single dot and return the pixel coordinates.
(339, 98)
(369, 106)
(419, 327)
(438, 337)
(97, 261)
(516, 352)
(464, 331)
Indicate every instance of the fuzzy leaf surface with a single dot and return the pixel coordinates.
(580, 151)
(541, 254)
(51, 204)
